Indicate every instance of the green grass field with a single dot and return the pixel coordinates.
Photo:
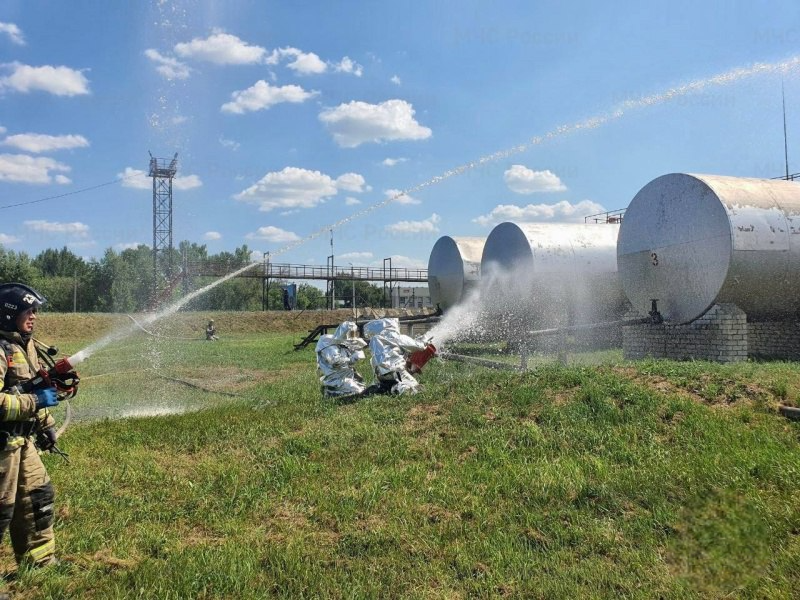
(618, 480)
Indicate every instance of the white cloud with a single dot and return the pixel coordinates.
(8, 239)
(262, 95)
(168, 67)
(400, 197)
(403, 262)
(2, 130)
(229, 144)
(294, 188)
(136, 179)
(140, 180)
(304, 63)
(347, 65)
(212, 236)
(307, 63)
(560, 211)
(522, 180)
(390, 162)
(189, 182)
(21, 168)
(395, 80)
(222, 49)
(426, 226)
(272, 234)
(13, 32)
(352, 182)
(127, 246)
(61, 81)
(74, 229)
(354, 256)
(350, 201)
(38, 142)
(355, 123)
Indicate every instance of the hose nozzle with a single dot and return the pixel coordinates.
(63, 366)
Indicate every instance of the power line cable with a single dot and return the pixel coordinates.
(88, 189)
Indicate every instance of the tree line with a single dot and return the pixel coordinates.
(123, 281)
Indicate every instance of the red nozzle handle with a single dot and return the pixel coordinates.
(63, 366)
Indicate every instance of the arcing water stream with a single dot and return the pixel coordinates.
(727, 78)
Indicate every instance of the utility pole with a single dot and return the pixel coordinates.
(353, 280)
(75, 292)
(266, 279)
(785, 142)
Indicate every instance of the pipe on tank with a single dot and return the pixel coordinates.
(692, 241)
(454, 269)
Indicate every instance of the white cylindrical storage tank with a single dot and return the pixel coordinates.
(691, 241)
(555, 273)
(454, 269)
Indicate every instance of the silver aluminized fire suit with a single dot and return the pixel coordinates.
(336, 355)
(390, 350)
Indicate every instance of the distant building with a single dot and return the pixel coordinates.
(411, 297)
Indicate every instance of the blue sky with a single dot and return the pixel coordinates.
(290, 116)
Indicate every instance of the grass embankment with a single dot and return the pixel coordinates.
(656, 479)
(87, 327)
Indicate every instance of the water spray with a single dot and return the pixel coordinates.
(149, 319)
(616, 113)
(594, 122)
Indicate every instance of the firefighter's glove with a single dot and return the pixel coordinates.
(46, 439)
(356, 356)
(46, 398)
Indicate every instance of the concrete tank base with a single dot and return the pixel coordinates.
(723, 334)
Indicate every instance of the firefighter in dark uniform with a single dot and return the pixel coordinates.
(26, 493)
(211, 331)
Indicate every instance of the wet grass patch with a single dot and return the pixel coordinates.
(635, 480)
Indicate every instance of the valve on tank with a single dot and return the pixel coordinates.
(655, 316)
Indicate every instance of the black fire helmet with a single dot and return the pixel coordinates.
(15, 299)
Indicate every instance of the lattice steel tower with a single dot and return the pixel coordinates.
(162, 170)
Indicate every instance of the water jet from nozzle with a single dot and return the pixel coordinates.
(76, 358)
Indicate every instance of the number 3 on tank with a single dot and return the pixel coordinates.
(654, 259)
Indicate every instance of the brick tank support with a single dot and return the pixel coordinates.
(774, 339)
(720, 335)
